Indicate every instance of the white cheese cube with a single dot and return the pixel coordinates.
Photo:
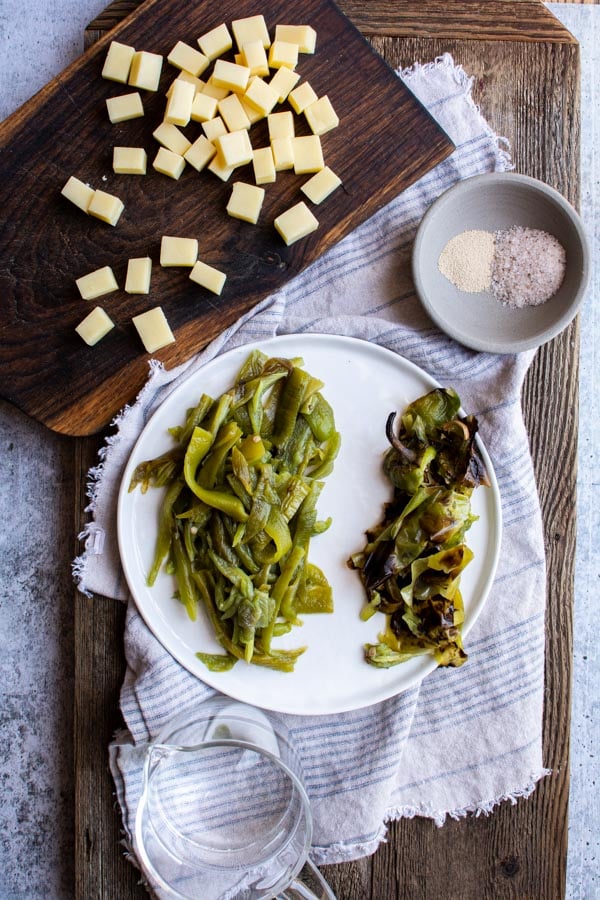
(214, 128)
(218, 168)
(178, 251)
(308, 154)
(321, 116)
(283, 153)
(172, 138)
(251, 28)
(95, 326)
(118, 62)
(321, 185)
(216, 42)
(182, 56)
(301, 97)
(179, 104)
(303, 35)
(211, 90)
(234, 148)
(106, 207)
(168, 163)
(254, 56)
(200, 153)
(124, 107)
(139, 272)
(153, 329)
(283, 81)
(245, 202)
(232, 113)
(78, 193)
(203, 108)
(97, 283)
(280, 125)
(145, 70)
(129, 160)
(230, 76)
(208, 277)
(261, 96)
(253, 114)
(264, 167)
(283, 55)
(296, 223)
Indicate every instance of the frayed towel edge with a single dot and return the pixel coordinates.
(337, 853)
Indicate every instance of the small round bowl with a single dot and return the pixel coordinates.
(497, 202)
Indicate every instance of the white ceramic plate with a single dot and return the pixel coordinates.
(364, 383)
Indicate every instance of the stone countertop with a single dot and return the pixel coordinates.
(36, 615)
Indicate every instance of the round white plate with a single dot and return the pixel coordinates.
(363, 383)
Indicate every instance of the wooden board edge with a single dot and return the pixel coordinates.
(494, 20)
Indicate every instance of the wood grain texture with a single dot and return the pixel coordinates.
(484, 20)
(529, 93)
(385, 142)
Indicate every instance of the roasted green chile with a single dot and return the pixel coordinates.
(239, 509)
(411, 564)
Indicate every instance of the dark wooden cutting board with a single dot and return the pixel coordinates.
(385, 141)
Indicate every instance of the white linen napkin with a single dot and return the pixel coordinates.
(465, 739)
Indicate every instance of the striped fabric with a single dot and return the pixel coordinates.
(468, 738)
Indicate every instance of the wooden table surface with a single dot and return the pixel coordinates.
(526, 81)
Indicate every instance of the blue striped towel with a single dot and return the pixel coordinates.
(465, 739)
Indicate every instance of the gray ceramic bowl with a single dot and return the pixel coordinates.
(493, 203)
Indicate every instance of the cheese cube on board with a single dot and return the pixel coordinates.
(232, 113)
(254, 56)
(308, 154)
(283, 55)
(203, 108)
(264, 167)
(124, 107)
(208, 277)
(106, 207)
(230, 76)
(234, 148)
(283, 81)
(139, 272)
(219, 168)
(78, 193)
(118, 62)
(283, 153)
(172, 138)
(211, 90)
(295, 223)
(214, 128)
(95, 326)
(251, 28)
(321, 116)
(321, 185)
(280, 125)
(178, 251)
(179, 104)
(145, 70)
(216, 42)
(303, 35)
(301, 97)
(200, 153)
(97, 283)
(153, 329)
(261, 96)
(182, 56)
(245, 202)
(129, 160)
(252, 113)
(168, 163)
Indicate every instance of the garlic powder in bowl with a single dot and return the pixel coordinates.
(501, 262)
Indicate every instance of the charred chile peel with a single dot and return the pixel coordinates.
(411, 564)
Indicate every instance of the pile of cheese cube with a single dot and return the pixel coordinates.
(237, 94)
